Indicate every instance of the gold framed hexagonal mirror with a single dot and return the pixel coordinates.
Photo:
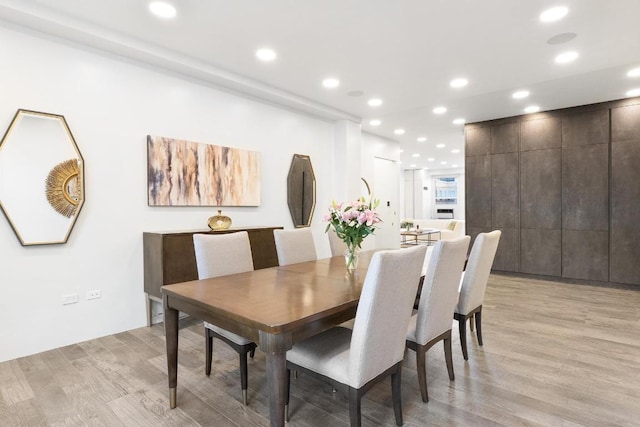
(41, 178)
(301, 190)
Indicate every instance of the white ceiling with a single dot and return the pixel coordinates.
(404, 52)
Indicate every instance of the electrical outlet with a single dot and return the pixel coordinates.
(70, 299)
(96, 293)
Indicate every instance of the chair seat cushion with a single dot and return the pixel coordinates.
(326, 353)
(229, 335)
(411, 330)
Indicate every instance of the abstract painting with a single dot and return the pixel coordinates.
(184, 173)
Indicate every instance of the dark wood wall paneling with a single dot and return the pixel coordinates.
(564, 188)
(625, 195)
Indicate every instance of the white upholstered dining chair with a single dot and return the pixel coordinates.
(352, 361)
(294, 246)
(221, 255)
(474, 284)
(432, 322)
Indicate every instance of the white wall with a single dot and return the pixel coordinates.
(110, 106)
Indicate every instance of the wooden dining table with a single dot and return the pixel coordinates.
(274, 307)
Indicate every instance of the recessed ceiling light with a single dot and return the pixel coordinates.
(459, 121)
(425, 168)
(440, 110)
(459, 82)
(454, 166)
(440, 146)
(421, 139)
(634, 92)
(413, 165)
(532, 109)
(401, 151)
(455, 151)
(443, 163)
(375, 102)
(634, 73)
(266, 54)
(554, 13)
(375, 122)
(566, 57)
(430, 159)
(162, 9)
(520, 94)
(415, 155)
(331, 83)
(399, 131)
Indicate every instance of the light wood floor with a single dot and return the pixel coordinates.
(554, 354)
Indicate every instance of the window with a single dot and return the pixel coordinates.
(446, 190)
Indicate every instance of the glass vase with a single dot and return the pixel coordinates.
(351, 258)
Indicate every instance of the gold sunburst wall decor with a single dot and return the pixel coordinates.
(63, 187)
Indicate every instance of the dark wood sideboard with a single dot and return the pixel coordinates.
(169, 257)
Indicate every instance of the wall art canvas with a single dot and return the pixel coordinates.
(184, 173)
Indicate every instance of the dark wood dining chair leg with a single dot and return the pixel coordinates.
(287, 391)
(479, 326)
(421, 352)
(462, 327)
(471, 322)
(355, 414)
(448, 356)
(252, 353)
(396, 392)
(208, 351)
(243, 375)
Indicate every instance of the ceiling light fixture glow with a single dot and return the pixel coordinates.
(399, 131)
(413, 165)
(331, 83)
(440, 146)
(430, 159)
(520, 94)
(440, 110)
(454, 166)
(416, 155)
(162, 9)
(443, 163)
(375, 122)
(532, 109)
(375, 102)
(554, 14)
(459, 82)
(266, 54)
(459, 121)
(421, 139)
(634, 92)
(634, 72)
(455, 151)
(566, 57)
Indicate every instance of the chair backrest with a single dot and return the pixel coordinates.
(222, 254)
(382, 318)
(338, 246)
(474, 280)
(295, 246)
(440, 288)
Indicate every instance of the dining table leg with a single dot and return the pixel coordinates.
(275, 347)
(171, 336)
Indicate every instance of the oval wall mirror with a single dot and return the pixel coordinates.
(301, 190)
(41, 178)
